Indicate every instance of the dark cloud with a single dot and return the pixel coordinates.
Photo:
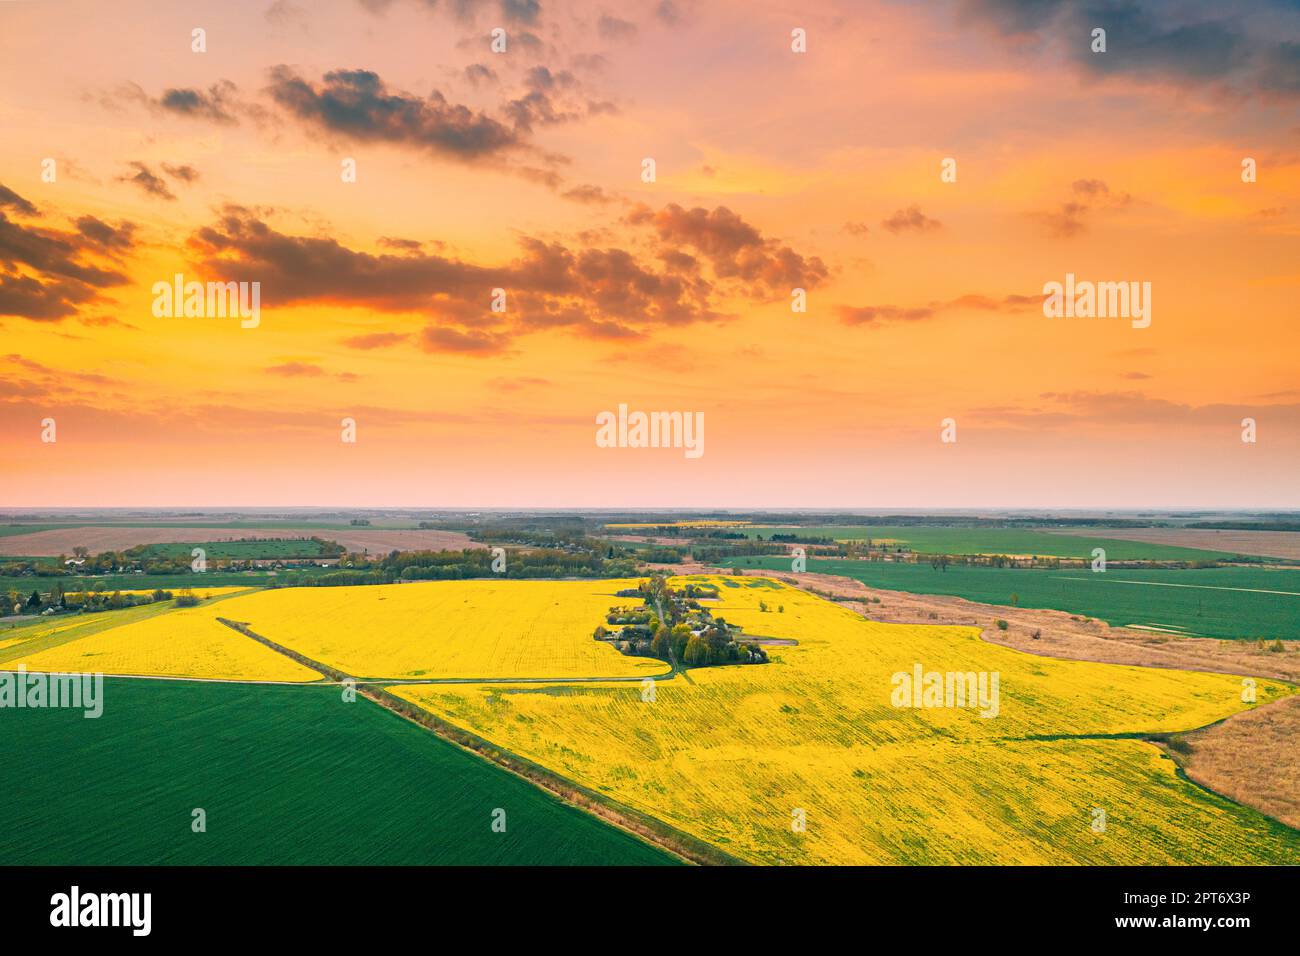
(149, 181)
(216, 104)
(117, 238)
(357, 104)
(521, 11)
(48, 273)
(11, 200)
(734, 248)
(1236, 45)
(910, 219)
(185, 174)
(600, 291)
(53, 252)
(544, 103)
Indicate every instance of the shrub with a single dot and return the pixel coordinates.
(1002, 625)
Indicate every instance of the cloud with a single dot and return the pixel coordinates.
(615, 29)
(1188, 45)
(734, 247)
(586, 286)
(439, 339)
(876, 315)
(217, 104)
(185, 174)
(11, 200)
(358, 105)
(545, 103)
(585, 193)
(119, 238)
(480, 74)
(149, 181)
(375, 340)
(295, 370)
(1087, 195)
(910, 219)
(48, 273)
(521, 11)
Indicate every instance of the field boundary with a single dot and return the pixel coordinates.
(650, 829)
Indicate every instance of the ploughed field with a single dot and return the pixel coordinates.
(1232, 602)
(1010, 541)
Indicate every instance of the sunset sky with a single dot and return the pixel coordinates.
(775, 170)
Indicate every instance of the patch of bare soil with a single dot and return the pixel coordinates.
(1268, 544)
(1251, 758)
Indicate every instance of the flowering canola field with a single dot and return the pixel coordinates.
(742, 756)
(152, 640)
(448, 629)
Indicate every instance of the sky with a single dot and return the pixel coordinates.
(795, 147)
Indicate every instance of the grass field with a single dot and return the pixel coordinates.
(1208, 602)
(489, 629)
(156, 640)
(1020, 541)
(286, 775)
(732, 752)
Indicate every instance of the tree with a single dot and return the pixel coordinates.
(34, 601)
(81, 552)
(662, 644)
(697, 652)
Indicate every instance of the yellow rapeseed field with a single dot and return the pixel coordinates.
(482, 628)
(151, 640)
(741, 756)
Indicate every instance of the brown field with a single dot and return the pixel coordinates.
(1251, 758)
(63, 540)
(1266, 544)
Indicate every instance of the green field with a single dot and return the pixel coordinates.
(1209, 602)
(147, 582)
(933, 540)
(266, 549)
(286, 775)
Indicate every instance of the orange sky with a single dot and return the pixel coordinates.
(522, 170)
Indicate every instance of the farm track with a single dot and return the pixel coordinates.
(651, 829)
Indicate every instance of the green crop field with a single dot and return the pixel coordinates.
(286, 775)
(933, 540)
(25, 584)
(1209, 602)
(266, 549)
